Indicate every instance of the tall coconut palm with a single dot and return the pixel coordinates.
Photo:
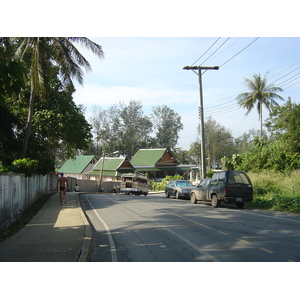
(39, 52)
(261, 93)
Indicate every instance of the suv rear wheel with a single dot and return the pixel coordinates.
(240, 205)
(215, 202)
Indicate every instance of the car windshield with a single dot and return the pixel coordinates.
(183, 183)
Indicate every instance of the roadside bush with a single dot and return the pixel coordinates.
(26, 165)
(2, 167)
(276, 191)
(160, 186)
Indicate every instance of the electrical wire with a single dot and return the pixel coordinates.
(292, 84)
(226, 48)
(284, 69)
(223, 108)
(206, 51)
(290, 81)
(225, 111)
(239, 52)
(285, 75)
(215, 51)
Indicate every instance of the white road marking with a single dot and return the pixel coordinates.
(207, 255)
(111, 241)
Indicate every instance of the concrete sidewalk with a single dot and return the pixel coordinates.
(57, 233)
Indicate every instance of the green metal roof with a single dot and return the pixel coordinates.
(110, 167)
(109, 164)
(147, 157)
(77, 164)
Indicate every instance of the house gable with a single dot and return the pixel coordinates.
(112, 167)
(77, 165)
(167, 160)
(154, 157)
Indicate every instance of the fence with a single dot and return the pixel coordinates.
(18, 192)
(89, 186)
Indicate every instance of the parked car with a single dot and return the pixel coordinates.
(178, 188)
(225, 186)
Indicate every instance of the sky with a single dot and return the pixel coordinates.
(150, 70)
(147, 44)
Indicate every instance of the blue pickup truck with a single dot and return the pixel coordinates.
(225, 186)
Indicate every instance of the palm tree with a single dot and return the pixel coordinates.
(260, 94)
(39, 52)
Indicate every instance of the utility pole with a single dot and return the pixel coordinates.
(102, 166)
(201, 113)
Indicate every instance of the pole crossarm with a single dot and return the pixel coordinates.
(200, 68)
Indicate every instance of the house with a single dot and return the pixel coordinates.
(77, 167)
(111, 169)
(158, 163)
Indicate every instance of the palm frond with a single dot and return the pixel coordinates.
(94, 47)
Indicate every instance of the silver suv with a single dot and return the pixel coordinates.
(225, 186)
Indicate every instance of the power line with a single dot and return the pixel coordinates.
(205, 51)
(218, 109)
(284, 69)
(292, 84)
(286, 75)
(222, 108)
(290, 81)
(238, 52)
(225, 111)
(215, 51)
(226, 48)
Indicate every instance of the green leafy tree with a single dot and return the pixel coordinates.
(218, 143)
(11, 83)
(284, 127)
(59, 125)
(39, 53)
(261, 94)
(167, 125)
(244, 143)
(135, 128)
(25, 165)
(215, 136)
(284, 124)
(122, 127)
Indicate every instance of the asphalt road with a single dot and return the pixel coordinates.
(129, 228)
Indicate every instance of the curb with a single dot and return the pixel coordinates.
(85, 252)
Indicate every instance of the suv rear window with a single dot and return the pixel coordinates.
(237, 177)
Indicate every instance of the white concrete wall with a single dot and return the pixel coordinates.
(18, 192)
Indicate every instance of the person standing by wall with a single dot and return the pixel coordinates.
(62, 185)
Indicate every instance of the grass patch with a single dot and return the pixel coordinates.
(276, 191)
(25, 217)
